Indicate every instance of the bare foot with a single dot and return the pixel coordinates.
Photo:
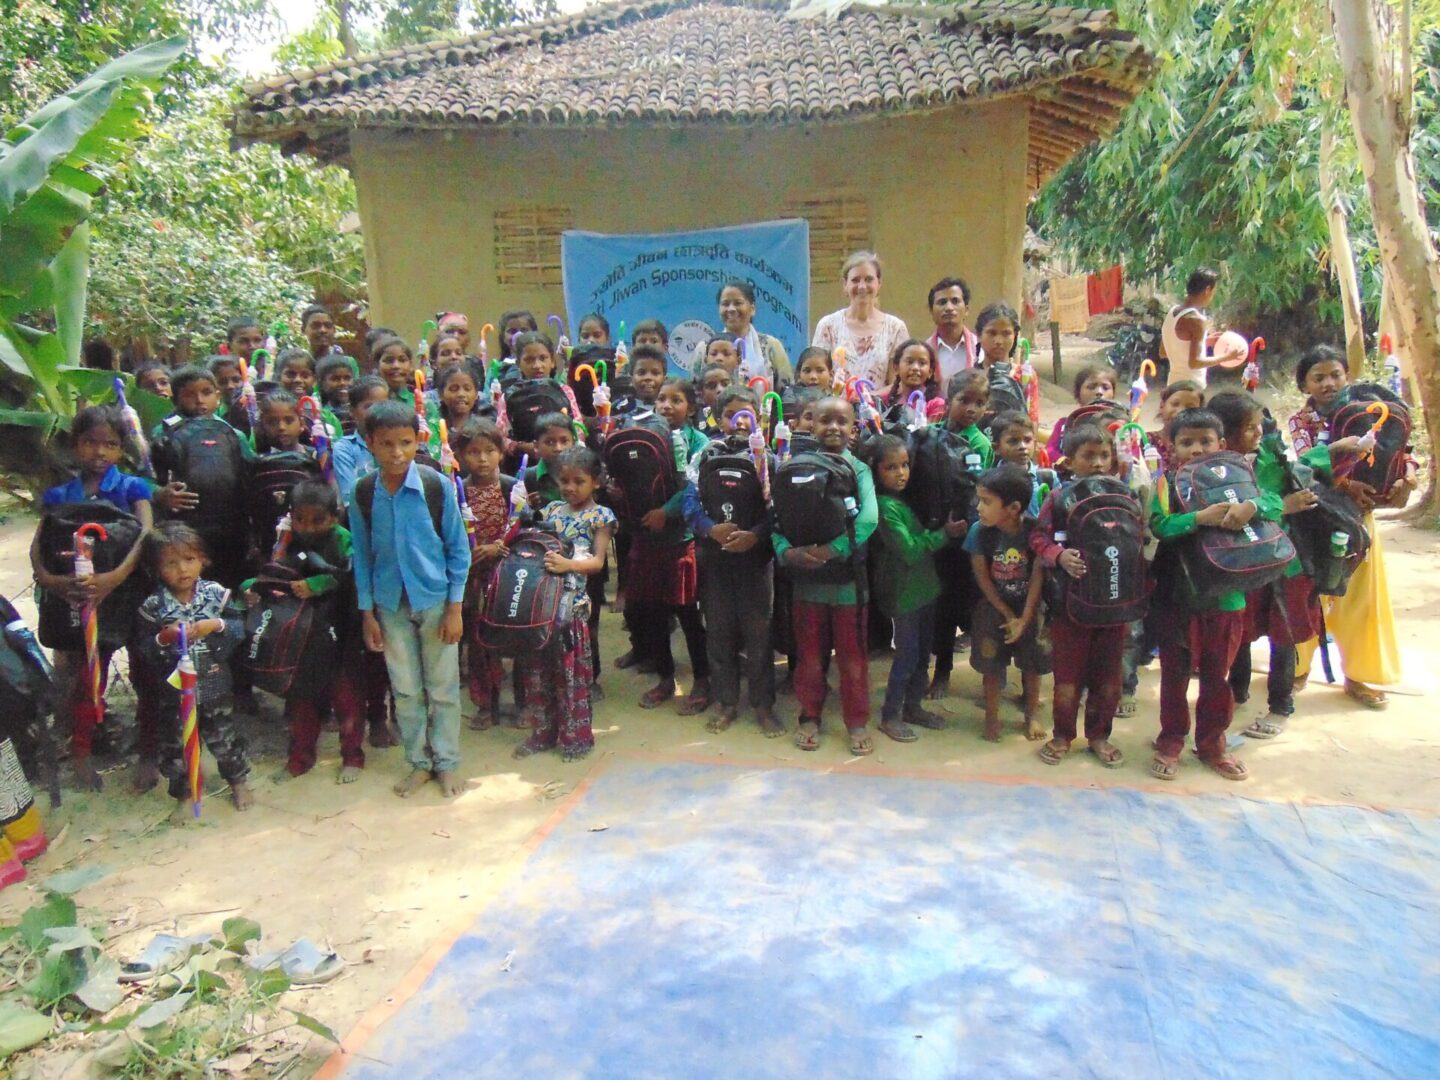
(417, 779)
(242, 796)
(625, 660)
(597, 692)
(992, 730)
(86, 778)
(483, 720)
(279, 776)
(658, 694)
(382, 738)
(1033, 729)
(146, 777)
(769, 726)
(184, 812)
(349, 774)
(450, 783)
(939, 688)
(719, 723)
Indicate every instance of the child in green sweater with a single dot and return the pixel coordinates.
(907, 586)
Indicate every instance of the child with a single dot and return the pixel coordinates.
(594, 329)
(25, 678)
(647, 372)
(481, 447)
(447, 351)
(176, 554)
(410, 583)
(351, 457)
(228, 377)
(735, 590)
(97, 437)
(373, 337)
(998, 328)
(906, 587)
(1360, 622)
(295, 371)
(1015, 445)
(194, 432)
(913, 367)
(154, 378)
(557, 683)
(514, 323)
(1296, 617)
(1174, 399)
(335, 376)
(721, 352)
(459, 395)
(1004, 626)
(827, 612)
(652, 332)
(315, 529)
(554, 434)
(318, 326)
(281, 462)
(243, 336)
(1210, 638)
(816, 368)
(967, 394)
(1087, 659)
(714, 380)
(396, 365)
(1094, 382)
(535, 359)
(660, 578)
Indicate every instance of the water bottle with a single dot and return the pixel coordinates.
(972, 462)
(682, 448)
(1392, 374)
(1339, 543)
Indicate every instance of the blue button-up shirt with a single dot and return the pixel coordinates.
(397, 554)
(119, 489)
(350, 460)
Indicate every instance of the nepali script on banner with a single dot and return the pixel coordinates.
(674, 277)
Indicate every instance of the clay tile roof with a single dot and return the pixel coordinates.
(689, 62)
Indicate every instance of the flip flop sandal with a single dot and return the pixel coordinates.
(926, 719)
(1227, 768)
(694, 706)
(654, 698)
(303, 963)
(898, 730)
(1371, 699)
(862, 750)
(164, 954)
(1111, 762)
(807, 740)
(1263, 729)
(1050, 754)
(1126, 707)
(1164, 770)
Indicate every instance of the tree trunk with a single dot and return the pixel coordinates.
(1342, 257)
(1376, 105)
(345, 28)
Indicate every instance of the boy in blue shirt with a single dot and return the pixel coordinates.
(411, 560)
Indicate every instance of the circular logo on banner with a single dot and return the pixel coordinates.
(688, 341)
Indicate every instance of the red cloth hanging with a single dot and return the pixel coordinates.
(1105, 290)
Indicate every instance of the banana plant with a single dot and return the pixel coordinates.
(51, 169)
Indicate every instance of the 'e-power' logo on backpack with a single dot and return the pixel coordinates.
(259, 633)
(520, 576)
(1113, 554)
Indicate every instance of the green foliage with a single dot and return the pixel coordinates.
(1181, 184)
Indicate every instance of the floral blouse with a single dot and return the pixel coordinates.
(579, 526)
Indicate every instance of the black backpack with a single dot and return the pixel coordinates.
(273, 477)
(525, 604)
(729, 486)
(815, 498)
(207, 455)
(640, 459)
(1103, 521)
(437, 490)
(583, 391)
(1387, 465)
(1006, 393)
(526, 400)
(291, 645)
(942, 483)
(1224, 560)
(1312, 530)
(62, 626)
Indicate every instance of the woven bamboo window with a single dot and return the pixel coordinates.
(839, 225)
(527, 244)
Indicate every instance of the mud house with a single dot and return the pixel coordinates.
(919, 131)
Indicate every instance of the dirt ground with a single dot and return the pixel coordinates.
(381, 880)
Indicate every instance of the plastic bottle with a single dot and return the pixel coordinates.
(22, 640)
(1339, 543)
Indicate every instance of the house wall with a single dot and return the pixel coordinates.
(946, 194)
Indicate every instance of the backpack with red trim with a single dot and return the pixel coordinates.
(525, 604)
(1227, 560)
(1102, 520)
(640, 459)
(291, 644)
(1357, 413)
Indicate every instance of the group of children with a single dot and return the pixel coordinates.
(394, 504)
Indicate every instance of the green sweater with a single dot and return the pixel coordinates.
(1270, 475)
(336, 549)
(905, 575)
(838, 594)
(1170, 527)
(979, 442)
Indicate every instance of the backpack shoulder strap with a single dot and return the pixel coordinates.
(435, 494)
(365, 495)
